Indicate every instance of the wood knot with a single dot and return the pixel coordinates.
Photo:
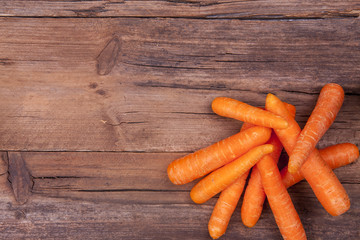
(93, 85)
(19, 177)
(108, 57)
(20, 214)
(101, 92)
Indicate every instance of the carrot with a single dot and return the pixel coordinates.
(340, 155)
(227, 202)
(285, 215)
(335, 197)
(319, 175)
(254, 196)
(291, 108)
(225, 206)
(335, 156)
(223, 177)
(200, 163)
(327, 107)
(232, 108)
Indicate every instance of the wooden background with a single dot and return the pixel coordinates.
(98, 97)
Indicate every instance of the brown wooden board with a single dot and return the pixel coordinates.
(183, 8)
(98, 97)
(147, 85)
(128, 196)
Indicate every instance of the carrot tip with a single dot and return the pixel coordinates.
(247, 224)
(270, 97)
(269, 148)
(341, 210)
(293, 166)
(292, 169)
(170, 175)
(215, 233)
(195, 198)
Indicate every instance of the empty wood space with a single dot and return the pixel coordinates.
(98, 97)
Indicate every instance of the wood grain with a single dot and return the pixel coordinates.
(117, 172)
(98, 97)
(60, 219)
(79, 194)
(177, 8)
(157, 95)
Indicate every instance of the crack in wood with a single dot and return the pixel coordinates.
(193, 113)
(188, 2)
(280, 17)
(222, 87)
(163, 66)
(248, 61)
(204, 18)
(215, 86)
(58, 177)
(118, 124)
(6, 62)
(130, 190)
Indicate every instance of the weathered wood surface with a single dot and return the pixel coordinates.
(127, 196)
(147, 85)
(183, 8)
(98, 97)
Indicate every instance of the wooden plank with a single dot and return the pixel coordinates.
(118, 176)
(65, 219)
(54, 95)
(74, 79)
(197, 8)
(59, 209)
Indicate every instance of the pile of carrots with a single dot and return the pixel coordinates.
(258, 145)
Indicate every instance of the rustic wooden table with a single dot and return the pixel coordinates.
(98, 97)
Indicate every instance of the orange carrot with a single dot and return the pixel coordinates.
(327, 107)
(232, 108)
(340, 154)
(319, 175)
(338, 202)
(225, 206)
(227, 202)
(285, 215)
(200, 163)
(335, 156)
(223, 177)
(246, 126)
(254, 196)
(291, 108)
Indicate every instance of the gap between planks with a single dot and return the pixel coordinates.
(185, 17)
